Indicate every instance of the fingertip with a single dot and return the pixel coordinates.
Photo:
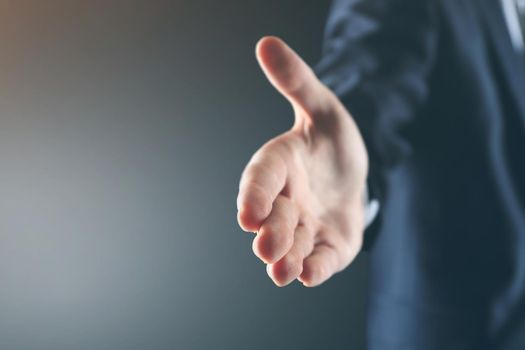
(277, 61)
(279, 281)
(305, 283)
(247, 221)
(263, 249)
(290, 75)
(267, 44)
(270, 247)
(253, 208)
(287, 269)
(270, 274)
(312, 276)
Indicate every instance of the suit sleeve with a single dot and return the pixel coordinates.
(377, 55)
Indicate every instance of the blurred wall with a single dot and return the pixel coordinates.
(124, 127)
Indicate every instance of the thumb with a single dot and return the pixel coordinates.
(292, 77)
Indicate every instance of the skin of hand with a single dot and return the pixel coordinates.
(302, 192)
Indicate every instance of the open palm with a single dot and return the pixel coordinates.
(302, 192)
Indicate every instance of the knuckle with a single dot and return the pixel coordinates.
(279, 149)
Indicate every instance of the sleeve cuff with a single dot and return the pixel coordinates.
(371, 208)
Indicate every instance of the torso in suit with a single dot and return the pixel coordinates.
(438, 91)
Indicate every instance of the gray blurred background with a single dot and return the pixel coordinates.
(124, 127)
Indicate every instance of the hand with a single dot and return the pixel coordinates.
(302, 192)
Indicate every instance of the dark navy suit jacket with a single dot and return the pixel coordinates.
(438, 92)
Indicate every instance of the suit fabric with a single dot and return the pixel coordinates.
(438, 92)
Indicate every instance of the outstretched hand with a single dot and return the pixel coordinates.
(302, 192)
